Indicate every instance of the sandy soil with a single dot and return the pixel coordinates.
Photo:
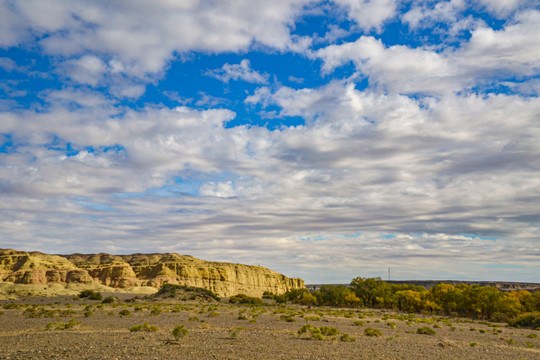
(30, 329)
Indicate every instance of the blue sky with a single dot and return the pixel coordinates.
(321, 139)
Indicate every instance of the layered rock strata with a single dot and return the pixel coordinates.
(136, 270)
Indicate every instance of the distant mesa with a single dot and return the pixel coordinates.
(140, 270)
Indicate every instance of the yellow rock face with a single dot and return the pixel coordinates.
(136, 270)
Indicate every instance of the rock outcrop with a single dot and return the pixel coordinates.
(139, 270)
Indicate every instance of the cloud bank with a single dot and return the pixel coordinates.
(420, 156)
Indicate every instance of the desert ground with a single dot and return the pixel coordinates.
(66, 327)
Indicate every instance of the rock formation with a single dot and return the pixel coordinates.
(136, 270)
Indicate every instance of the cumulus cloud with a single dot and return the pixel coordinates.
(397, 68)
(141, 36)
(242, 71)
(487, 55)
(369, 14)
(417, 165)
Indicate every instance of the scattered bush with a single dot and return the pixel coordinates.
(244, 299)
(62, 326)
(179, 331)
(347, 338)
(193, 292)
(425, 331)
(39, 313)
(156, 310)
(91, 295)
(328, 331)
(532, 336)
(124, 312)
(235, 331)
(359, 323)
(313, 331)
(287, 318)
(144, 327)
(109, 300)
(10, 306)
(372, 332)
(473, 344)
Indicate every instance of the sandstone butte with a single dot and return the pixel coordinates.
(141, 270)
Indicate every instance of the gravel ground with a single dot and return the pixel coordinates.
(265, 333)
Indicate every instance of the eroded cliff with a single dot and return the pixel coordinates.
(141, 270)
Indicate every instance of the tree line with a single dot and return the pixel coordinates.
(475, 301)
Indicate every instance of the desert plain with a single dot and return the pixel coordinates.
(134, 326)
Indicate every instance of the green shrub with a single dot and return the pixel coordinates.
(235, 331)
(173, 290)
(328, 331)
(372, 332)
(532, 336)
(109, 300)
(39, 313)
(473, 344)
(526, 320)
(156, 310)
(213, 314)
(144, 327)
(91, 295)
(179, 331)
(11, 306)
(244, 299)
(62, 326)
(313, 331)
(347, 338)
(359, 323)
(287, 318)
(425, 331)
(124, 312)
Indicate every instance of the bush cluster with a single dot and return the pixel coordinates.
(91, 295)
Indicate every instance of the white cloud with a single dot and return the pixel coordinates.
(220, 189)
(88, 69)
(369, 14)
(397, 68)
(504, 7)
(142, 36)
(487, 55)
(513, 49)
(421, 14)
(357, 165)
(241, 71)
